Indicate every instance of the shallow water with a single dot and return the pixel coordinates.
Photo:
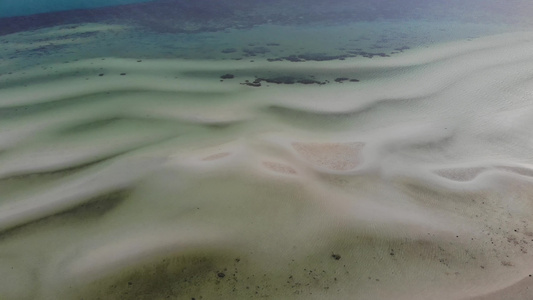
(233, 149)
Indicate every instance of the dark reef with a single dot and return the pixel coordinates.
(174, 16)
(285, 79)
(227, 76)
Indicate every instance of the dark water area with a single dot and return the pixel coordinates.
(274, 30)
(12, 8)
(214, 15)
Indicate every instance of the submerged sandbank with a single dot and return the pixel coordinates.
(157, 179)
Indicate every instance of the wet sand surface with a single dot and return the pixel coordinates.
(142, 175)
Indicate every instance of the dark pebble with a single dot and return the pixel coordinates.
(221, 275)
(122, 74)
(336, 256)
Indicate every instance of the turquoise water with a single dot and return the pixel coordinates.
(235, 30)
(11, 8)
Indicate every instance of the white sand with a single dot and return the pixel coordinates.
(419, 177)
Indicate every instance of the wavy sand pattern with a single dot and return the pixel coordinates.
(415, 183)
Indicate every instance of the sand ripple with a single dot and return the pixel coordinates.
(414, 183)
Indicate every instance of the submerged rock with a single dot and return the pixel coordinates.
(282, 80)
(341, 79)
(227, 76)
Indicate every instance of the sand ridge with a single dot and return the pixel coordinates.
(414, 183)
